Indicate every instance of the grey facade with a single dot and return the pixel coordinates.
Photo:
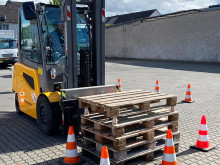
(15, 28)
(185, 36)
(11, 12)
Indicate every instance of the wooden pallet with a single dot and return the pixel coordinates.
(134, 157)
(113, 102)
(140, 125)
(141, 144)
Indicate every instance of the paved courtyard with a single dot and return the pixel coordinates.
(21, 142)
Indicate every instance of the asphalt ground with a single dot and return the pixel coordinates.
(21, 142)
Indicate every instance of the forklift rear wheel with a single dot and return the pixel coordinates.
(48, 115)
(17, 107)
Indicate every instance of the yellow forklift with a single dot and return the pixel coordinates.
(60, 58)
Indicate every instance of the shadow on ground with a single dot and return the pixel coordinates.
(185, 66)
(84, 161)
(187, 152)
(21, 133)
(5, 67)
(4, 93)
(6, 76)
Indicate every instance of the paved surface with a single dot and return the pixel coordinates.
(21, 141)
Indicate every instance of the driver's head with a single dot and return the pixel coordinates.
(60, 27)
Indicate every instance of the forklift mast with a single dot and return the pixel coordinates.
(93, 69)
(92, 62)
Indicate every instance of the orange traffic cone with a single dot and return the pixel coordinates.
(71, 155)
(188, 98)
(169, 155)
(202, 143)
(157, 88)
(119, 85)
(104, 156)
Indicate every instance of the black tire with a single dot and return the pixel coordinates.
(17, 107)
(48, 115)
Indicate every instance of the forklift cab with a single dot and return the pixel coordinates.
(59, 48)
(42, 44)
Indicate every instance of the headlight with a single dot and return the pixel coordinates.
(53, 73)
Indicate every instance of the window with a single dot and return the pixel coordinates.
(50, 26)
(53, 36)
(30, 45)
(7, 44)
(4, 27)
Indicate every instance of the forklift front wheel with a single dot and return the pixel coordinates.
(48, 115)
(17, 107)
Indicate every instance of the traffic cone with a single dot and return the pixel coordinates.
(188, 98)
(157, 88)
(202, 143)
(104, 156)
(119, 85)
(86, 112)
(71, 155)
(169, 155)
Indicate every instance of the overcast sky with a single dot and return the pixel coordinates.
(116, 7)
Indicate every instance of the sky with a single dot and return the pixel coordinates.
(117, 7)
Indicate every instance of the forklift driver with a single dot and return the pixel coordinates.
(57, 41)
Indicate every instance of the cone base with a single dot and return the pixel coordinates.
(202, 149)
(187, 101)
(61, 162)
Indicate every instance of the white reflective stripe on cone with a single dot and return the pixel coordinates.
(169, 142)
(71, 138)
(157, 85)
(71, 153)
(188, 90)
(104, 161)
(203, 127)
(203, 138)
(169, 157)
(188, 96)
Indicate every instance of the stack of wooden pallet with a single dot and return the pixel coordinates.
(141, 125)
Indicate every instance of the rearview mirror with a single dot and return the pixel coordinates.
(29, 10)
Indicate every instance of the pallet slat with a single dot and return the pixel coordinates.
(138, 101)
(124, 97)
(130, 118)
(113, 103)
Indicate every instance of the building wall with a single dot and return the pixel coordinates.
(15, 28)
(192, 37)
